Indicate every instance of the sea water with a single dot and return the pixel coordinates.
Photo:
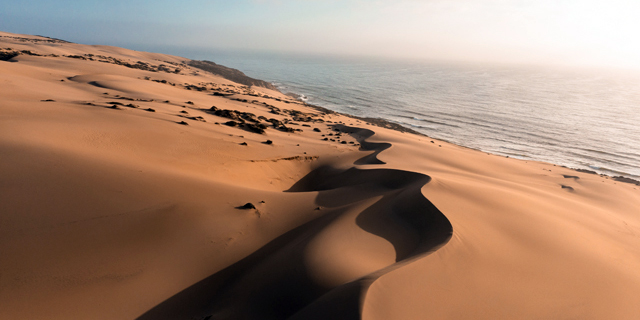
(586, 119)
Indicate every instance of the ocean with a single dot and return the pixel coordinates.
(585, 119)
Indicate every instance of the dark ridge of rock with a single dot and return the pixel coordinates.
(36, 40)
(586, 171)
(229, 73)
(48, 39)
(74, 56)
(626, 180)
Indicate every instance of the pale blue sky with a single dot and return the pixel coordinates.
(579, 32)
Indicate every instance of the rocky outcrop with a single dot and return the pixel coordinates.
(229, 73)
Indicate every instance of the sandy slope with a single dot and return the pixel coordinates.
(124, 213)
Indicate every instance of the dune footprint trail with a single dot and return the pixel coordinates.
(283, 281)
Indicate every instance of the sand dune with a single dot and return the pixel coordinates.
(125, 175)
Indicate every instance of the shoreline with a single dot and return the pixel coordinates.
(389, 124)
(135, 186)
(384, 123)
(552, 143)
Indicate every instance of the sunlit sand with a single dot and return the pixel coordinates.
(136, 186)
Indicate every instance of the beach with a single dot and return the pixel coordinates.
(136, 185)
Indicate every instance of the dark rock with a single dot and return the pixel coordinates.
(231, 123)
(316, 129)
(150, 110)
(197, 118)
(183, 123)
(246, 206)
(268, 142)
(586, 171)
(626, 180)
(244, 144)
(257, 128)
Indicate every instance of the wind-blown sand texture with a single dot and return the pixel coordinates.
(125, 195)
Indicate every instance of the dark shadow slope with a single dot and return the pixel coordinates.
(273, 282)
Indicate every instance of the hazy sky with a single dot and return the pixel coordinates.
(518, 31)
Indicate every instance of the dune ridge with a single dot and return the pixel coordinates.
(130, 190)
(273, 283)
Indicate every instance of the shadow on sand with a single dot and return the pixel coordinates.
(273, 282)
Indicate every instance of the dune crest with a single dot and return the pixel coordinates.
(134, 185)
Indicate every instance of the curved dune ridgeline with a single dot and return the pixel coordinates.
(275, 282)
(136, 186)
